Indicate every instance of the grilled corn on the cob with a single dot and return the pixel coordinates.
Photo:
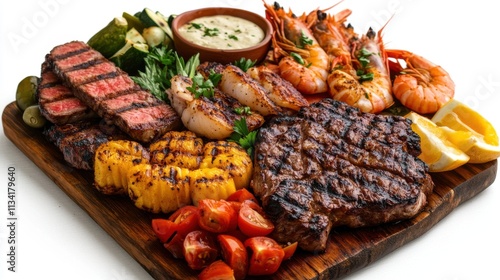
(213, 183)
(112, 161)
(181, 149)
(231, 157)
(159, 188)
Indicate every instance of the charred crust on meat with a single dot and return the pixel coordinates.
(330, 160)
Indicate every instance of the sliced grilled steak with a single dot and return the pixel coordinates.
(111, 93)
(79, 141)
(57, 102)
(332, 165)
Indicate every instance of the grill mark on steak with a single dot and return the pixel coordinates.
(58, 103)
(111, 93)
(79, 141)
(332, 165)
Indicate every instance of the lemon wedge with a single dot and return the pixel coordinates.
(437, 152)
(469, 131)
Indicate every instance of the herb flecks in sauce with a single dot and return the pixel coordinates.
(222, 32)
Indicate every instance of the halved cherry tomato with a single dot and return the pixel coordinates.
(266, 255)
(241, 195)
(200, 249)
(252, 220)
(290, 250)
(234, 254)
(217, 215)
(182, 221)
(162, 229)
(175, 245)
(218, 270)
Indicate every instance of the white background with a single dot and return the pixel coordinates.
(59, 240)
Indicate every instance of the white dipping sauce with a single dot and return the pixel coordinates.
(222, 32)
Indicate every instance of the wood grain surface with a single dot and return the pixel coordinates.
(348, 250)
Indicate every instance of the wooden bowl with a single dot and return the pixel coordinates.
(186, 49)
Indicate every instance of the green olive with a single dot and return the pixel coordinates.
(33, 117)
(26, 92)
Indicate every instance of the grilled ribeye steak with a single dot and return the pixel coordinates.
(58, 103)
(79, 141)
(111, 93)
(332, 165)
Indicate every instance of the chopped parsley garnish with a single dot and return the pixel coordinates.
(202, 87)
(233, 37)
(245, 110)
(297, 58)
(304, 40)
(211, 32)
(364, 60)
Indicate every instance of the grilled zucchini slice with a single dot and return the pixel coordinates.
(112, 161)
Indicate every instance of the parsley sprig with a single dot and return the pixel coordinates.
(244, 63)
(243, 136)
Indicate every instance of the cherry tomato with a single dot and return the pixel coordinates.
(290, 250)
(162, 229)
(217, 215)
(241, 195)
(200, 249)
(218, 270)
(182, 221)
(266, 255)
(175, 245)
(252, 220)
(234, 254)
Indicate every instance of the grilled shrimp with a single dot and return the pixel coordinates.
(301, 59)
(279, 90)
(422, 86)
(370, 89)
(240, 86)
(329, 32)
(209, 117)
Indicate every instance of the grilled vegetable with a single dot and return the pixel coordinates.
(112, 161)
(213, 183)
(151, 18)
(158, 188)
(231, 157)
(133, 22)
(181, 149)
(154, 36)
(130, 58)
(111, 38)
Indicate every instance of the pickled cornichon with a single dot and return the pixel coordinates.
(33, 117)
(26, 92)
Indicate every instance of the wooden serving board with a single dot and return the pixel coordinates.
(348, 250)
